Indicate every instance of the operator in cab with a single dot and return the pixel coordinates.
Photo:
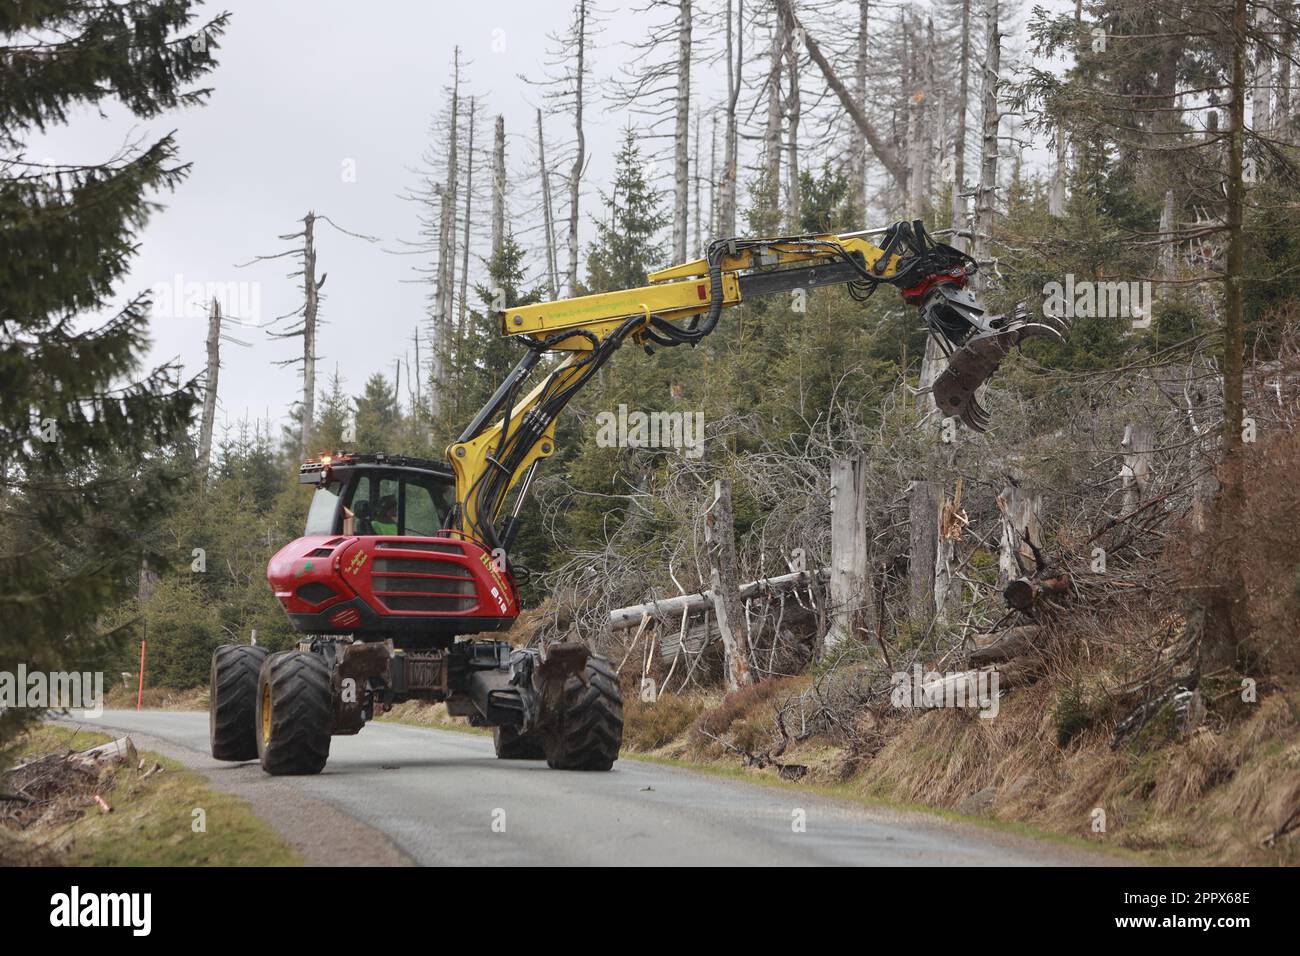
(386, 519)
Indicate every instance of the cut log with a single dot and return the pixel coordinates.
(117, 751)
(1004, 645)
(1022, 594)
(625, 617)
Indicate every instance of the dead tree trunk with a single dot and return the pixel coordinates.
(1135, 474)
(1168, 260)
(947, 586)
(464, 252)
(851, 598)
(726, 223)
(580, 149)
(883, 151)
(1022, 534)
(446, 272)
(959, 136)
(682, 134)
(1261, 112)
(720, 541)
(499, 188)
(714, 209)
(772, 129)
(548, 216)
(794, 200)
(210, 388)
(923, 546)
(793, 107)
(932, 122)
(933, 362)
(858, 142)
(1282, 84)
(672, 608)
(984, 196)
(311, 289)
(697, 181)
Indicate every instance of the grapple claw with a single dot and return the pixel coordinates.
(975, 361)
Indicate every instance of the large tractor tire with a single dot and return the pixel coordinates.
(232, 701)
(590, 726)
(510, 744)
(295, 713)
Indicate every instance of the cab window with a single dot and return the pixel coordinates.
(324, 506)
(389, 505)
(426, 508)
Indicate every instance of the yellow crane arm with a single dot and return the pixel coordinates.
(504, 444)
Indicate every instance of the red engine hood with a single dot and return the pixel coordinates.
(341, 582)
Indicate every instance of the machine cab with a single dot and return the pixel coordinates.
(380, 557)
(378, 495)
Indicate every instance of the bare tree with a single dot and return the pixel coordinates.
(963, 108)
(463, 306)
(499, 187)
(884, 152)
(567, 71)
(446, 268)
(858, 142)
(682, 132)
(735, 51)
(580, 148)
(779, 43)
(548, 215)
(307, 313)
(210, 387)
(655, 83)
(985, 195)
(793, 108)
(735, 33)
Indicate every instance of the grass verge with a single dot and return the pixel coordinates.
(167, 818)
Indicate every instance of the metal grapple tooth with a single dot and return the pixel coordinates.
(1046, 326)
(975, 416)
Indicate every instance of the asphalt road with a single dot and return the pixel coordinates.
(396, 794)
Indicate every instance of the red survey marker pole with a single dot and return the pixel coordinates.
(139, 697)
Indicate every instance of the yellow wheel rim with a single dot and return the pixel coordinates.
(266, 714)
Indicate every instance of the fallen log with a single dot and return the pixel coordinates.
(1003, 645)
(1022, 594)
(117, 751)
(625, 617)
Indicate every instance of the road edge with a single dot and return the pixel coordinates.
(299, 819)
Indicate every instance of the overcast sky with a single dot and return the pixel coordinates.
(304, 92)
(326, 105)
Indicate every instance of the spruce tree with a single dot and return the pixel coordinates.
(333, 416)
(378, 415)
(84, 425)
(625, 247)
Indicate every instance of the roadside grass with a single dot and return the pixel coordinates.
(1212, 798)
(152, 823)
(118, 697)
(850, 793)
